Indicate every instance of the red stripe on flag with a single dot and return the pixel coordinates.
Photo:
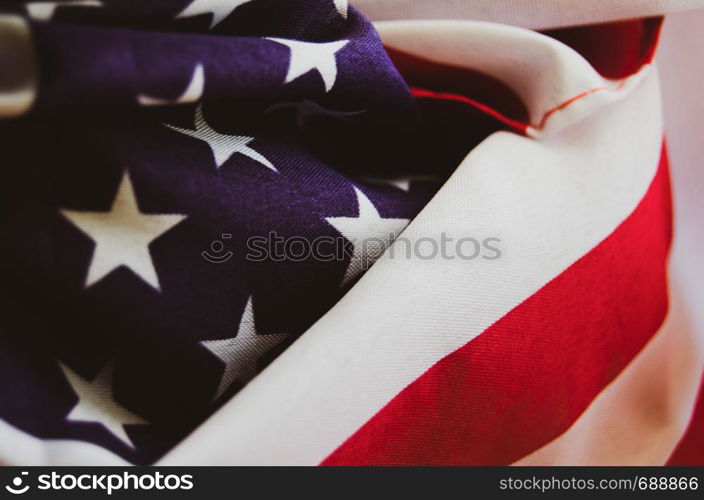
(617, 49)
(528, 377)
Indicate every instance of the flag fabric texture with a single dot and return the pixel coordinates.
(265, 232)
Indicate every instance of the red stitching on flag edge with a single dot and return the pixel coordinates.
(514, 124)
(523, 127)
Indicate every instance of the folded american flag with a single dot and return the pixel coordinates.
(194, 192)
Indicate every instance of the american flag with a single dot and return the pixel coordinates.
(308, 232)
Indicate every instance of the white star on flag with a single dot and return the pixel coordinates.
(222, 145)
(307, 56)
(193, 92)
(96, 403)
(341, 6)
(240, 354)
(368, 227)
(219, 9)
(122, 235)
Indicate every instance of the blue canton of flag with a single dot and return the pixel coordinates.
(164, 136)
